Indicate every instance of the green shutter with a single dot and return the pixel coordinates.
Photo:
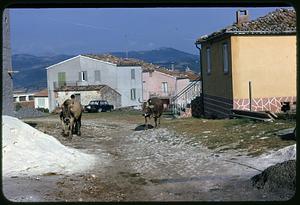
(61, 79)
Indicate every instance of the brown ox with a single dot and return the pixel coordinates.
(70, 116)
(153, 108)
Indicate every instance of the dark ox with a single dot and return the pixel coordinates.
(153, 108)
(70, 117)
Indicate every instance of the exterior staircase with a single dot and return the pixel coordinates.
(182, 100)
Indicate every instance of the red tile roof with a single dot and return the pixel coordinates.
(146, 67)
(42, 93)
(280, 21)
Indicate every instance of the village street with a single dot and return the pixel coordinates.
(139, 165)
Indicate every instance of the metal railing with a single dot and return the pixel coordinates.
(59, 85)
(183, 99)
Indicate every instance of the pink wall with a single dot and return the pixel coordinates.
(154, 84)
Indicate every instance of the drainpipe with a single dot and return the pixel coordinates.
(201, 74)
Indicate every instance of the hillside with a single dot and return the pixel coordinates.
(165, 57)
(33, 76)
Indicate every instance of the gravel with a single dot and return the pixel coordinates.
(28, 113)
(280, 178)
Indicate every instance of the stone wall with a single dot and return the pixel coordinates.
(106, 93)
(272, 104)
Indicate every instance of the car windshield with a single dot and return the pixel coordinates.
(93, 103)
(103, 102)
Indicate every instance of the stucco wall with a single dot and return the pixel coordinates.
(71, 67)
(269, 62)
(154, 84)
(125, 84)
(217, 83)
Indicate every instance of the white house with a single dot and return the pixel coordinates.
(41, 99)
(122, 75)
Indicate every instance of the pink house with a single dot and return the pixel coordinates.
(164, 83)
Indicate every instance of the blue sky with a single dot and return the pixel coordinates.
(75, 31)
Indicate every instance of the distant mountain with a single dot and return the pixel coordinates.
(165, 57)
(33, 76)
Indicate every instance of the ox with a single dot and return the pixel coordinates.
(153, 108)
(70, 117)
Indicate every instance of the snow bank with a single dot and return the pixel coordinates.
(265, 160)
(28, 151)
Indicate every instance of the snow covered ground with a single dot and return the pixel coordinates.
(27, 151)
(273, 157)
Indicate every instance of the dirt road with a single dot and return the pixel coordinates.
(139, 165)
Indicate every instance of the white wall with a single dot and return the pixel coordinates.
(125, 84)
(45, 99)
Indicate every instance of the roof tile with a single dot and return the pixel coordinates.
(280, 21)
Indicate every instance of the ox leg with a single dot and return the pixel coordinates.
(71, 127)
(64, 127)
(155, 120)
(79, 126)
(146, 123)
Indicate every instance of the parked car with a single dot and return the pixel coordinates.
(98, 106)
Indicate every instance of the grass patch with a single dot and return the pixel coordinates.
(254, 137)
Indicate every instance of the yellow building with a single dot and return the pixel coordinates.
(250, 60)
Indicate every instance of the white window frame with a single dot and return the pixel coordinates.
(225, 58)
(83, 75)
(208, 60)
(164, 87)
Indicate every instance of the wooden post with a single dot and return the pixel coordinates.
(250, 96)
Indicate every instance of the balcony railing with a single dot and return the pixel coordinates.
(170, 94)
(186, 95)
(61, 85)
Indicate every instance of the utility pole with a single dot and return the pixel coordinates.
(250, 96)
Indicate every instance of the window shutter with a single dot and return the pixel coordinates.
(79, 76)
(132, 74)
(86, 76)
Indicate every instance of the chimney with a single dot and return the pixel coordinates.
(242, 16)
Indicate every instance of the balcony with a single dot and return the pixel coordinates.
(63, 85)
(168, 94)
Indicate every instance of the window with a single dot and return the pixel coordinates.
(61, 79)
(132, 74)
(133, 94)
(208, 60)
(97, 76)
(22, 98)
(41, 102)
(83, 76)
(225, 57)
(15, 99)
(30, 97)
(164, 87)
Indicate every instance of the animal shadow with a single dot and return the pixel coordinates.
(142, 127)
